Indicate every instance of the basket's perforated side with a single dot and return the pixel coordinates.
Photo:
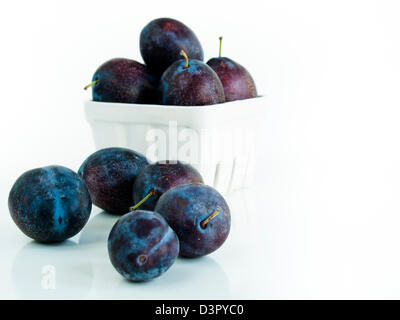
(220, 145)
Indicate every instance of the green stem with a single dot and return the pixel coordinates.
(91, 84)
(220, 46)
(183, 53)
(203, 224)
(137, 205)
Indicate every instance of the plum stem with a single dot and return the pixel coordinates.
(91, 84)
(137, 205)
(220, 46)
(183, 53)
(203, 224)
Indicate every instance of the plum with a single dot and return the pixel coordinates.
(236, 80)
(162, 39)
(199, 215)
(110, 174)
(158, 177)
(124, 80)
(50, 204)
(142, 246)
(190, 83)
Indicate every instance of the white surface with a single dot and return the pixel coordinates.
(218, 140)
(323, 220)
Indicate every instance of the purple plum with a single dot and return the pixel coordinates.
(124, 80)
(157, 178)
(190, 82)
(110, 174)
(161, 41)
(236, 80)
(199, 215)
(142, 246)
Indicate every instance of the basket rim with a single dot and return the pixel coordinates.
(177, 108)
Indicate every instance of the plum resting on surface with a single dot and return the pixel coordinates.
(124, 80)
(161, 41)
(236, 80)
(190, 82)
(110, 174)
(187, 209)
(142, 246)
(159, 177)
(50, 204)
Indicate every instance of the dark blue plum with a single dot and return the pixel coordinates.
(158, 177)
(142, 246)
(124, 80)
(161, 41)
(50, 204)
(190, 82)
(110, 174)
(199, 215)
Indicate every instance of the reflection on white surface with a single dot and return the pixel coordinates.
(186, 279)
(201, 278)
(93, 241)
(82, 270)
(98, 228)
(272, 252)
(51, 271)
(275, 250)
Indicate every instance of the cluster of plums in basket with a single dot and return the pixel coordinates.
(174, 72)
(166, 209)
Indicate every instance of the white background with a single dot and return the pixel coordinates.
(323, 219)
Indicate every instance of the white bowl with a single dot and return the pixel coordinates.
(219, 140)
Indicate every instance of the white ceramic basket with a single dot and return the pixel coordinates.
(219, 140)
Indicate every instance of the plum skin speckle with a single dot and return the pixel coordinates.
(185, 207)
(50, 204)
(110, 174)
(142, 246)
(160, 177)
